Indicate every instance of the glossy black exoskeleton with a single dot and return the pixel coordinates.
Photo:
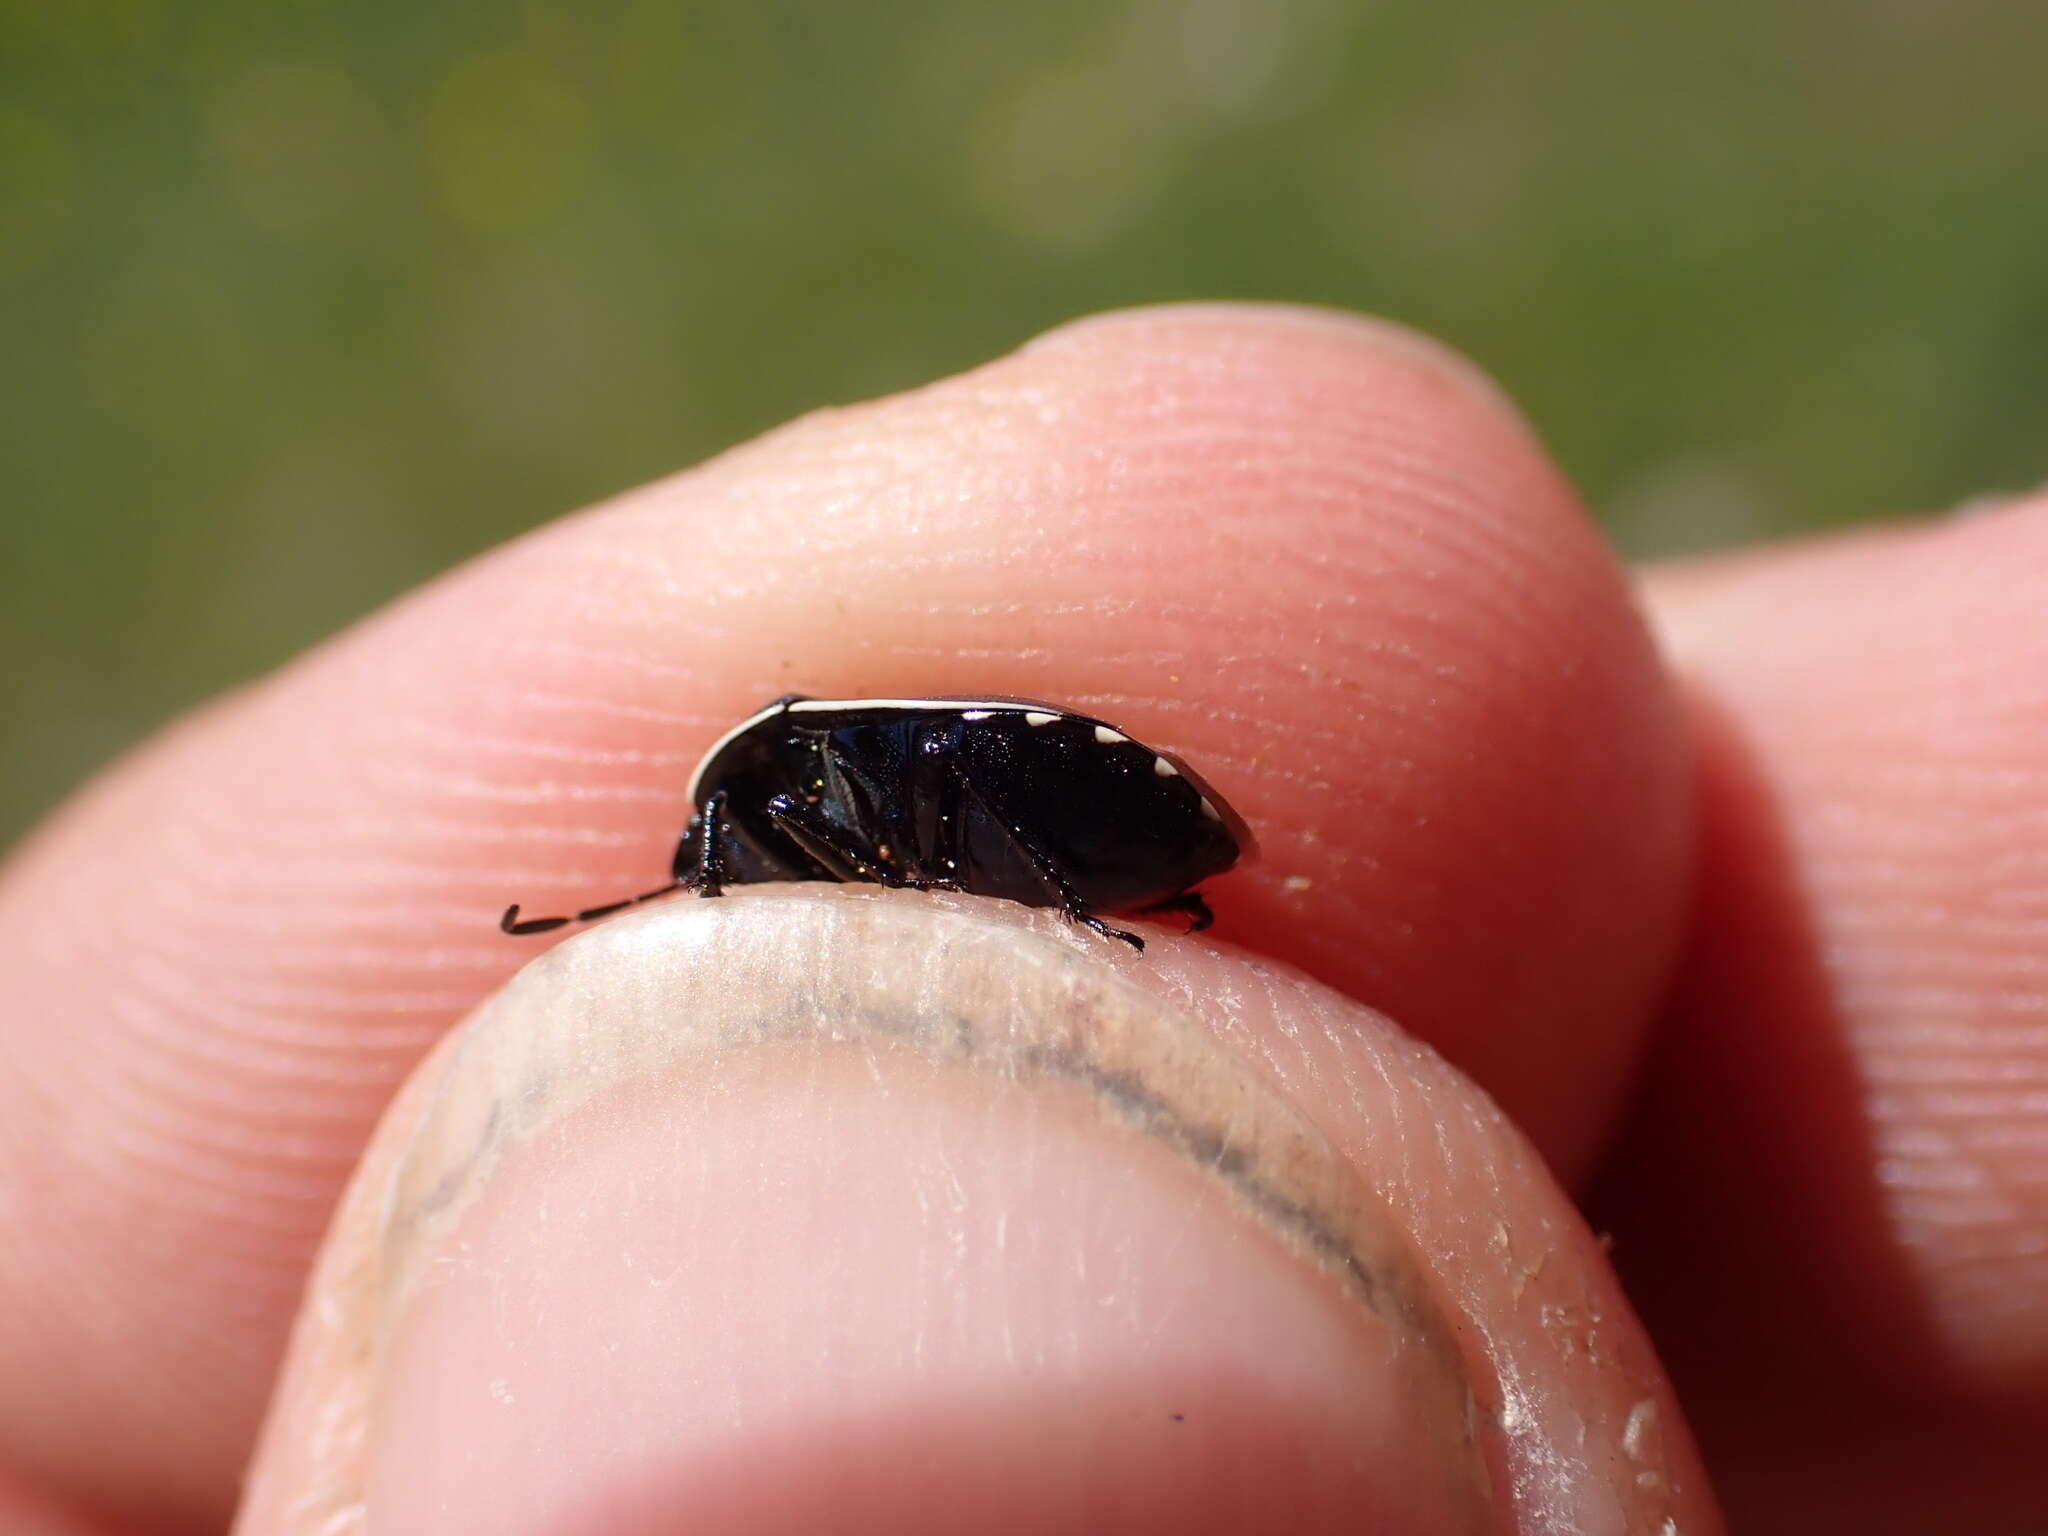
(1006, 798)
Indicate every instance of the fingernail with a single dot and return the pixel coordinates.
(857, 1214)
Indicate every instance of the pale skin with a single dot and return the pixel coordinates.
(1740, 929)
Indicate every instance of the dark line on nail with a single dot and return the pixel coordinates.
(1213, 1150)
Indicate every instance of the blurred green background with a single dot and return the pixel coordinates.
(301, 302)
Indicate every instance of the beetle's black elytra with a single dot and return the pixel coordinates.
(1001, 797)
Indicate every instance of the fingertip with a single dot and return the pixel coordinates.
(1204, 325)
(882, 1211)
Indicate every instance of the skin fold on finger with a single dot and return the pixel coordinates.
(634, 1201)
(1316, 557)
(1833, 1202)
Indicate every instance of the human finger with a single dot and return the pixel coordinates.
(832, 1211)
(1319, 558)
(1832, 1202)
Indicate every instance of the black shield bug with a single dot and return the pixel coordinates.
(1004, 797)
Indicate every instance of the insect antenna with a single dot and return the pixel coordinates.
(697, 866)
(512, 923)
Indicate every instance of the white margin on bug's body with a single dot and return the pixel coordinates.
(993, 706)
(718, 746)
(970, 709)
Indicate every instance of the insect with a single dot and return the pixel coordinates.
(999, 797)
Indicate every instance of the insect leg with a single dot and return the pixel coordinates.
(707, 876)
(949, 845)
(1190, 902)
(688, 851)
(1069, 900)
(835, 852)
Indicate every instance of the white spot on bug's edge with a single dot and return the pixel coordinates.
(1296, 883)
(1108, 737)
(1210, 811)
(1164, 769)
(976, 714)
(1038, 717)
